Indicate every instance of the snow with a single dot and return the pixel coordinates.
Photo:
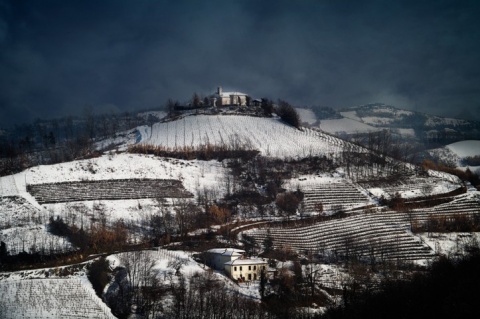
(268, 135)
(410, 132)
(193, 174)
(253, 261)
(148, 114)
(465, 148)
(51, 298)
(351, 115)
(394, 111)
(23, 220)
(32, 238)
(436, 120)
(226, 251)
(376, 120)
(457, 151)
(346, 126)
(164, 271)
(310, 181)
(307, 116)
(25, 216)
(450, 244)
(384, 115)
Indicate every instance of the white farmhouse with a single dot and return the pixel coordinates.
(221, 98)
(246, 269)
(217, 257)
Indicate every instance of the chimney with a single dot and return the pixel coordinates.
(219, 90)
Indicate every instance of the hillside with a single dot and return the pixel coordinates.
(426, 128)
(314, 195)
(463, 154)
(268, 135)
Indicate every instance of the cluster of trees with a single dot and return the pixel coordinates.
(60, 140)
(288, 113)
(471, 161)
(466, 175)
(201, 152)
(386, 155)
(97, 238)
(448, 290)
(441, 224)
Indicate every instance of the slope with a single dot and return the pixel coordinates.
(268, 135)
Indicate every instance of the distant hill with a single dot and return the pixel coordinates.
(431, 130)
(461, 154)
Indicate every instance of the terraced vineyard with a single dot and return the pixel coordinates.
(50, 298)
(465, 205)
(333, 195)
(362, 236)
(116, 189)
(414, 186)
(374, 236)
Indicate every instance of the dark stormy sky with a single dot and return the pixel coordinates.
(57, 57)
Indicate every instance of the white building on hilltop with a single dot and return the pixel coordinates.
(221, 98)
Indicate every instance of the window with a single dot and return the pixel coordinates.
(249, 276)
(240, 268)
(254, 267)
(263, 267)
(249, 267)
(254, 276)
(235, 268)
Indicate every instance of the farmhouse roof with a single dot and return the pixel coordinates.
(226, 251)
(255, 261)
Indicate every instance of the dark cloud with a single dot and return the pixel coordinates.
(56, 57)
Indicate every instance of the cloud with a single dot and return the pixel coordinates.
(57, 57)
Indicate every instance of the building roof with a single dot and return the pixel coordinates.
(226, 251)
(228, 94)
(237, 262)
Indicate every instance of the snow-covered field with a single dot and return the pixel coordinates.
(436, 120)
(23, 220)
(268, 135)
(407, 132)
(457, 151)
(307, 116)
(193, 174)
(465, 148)
(345, 126)
(450, 244)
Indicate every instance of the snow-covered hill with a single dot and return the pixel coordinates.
(268, 135)
(457, 152)
(465, 148)
(23, 220)
(405, 123)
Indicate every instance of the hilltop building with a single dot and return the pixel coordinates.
(221, 98)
